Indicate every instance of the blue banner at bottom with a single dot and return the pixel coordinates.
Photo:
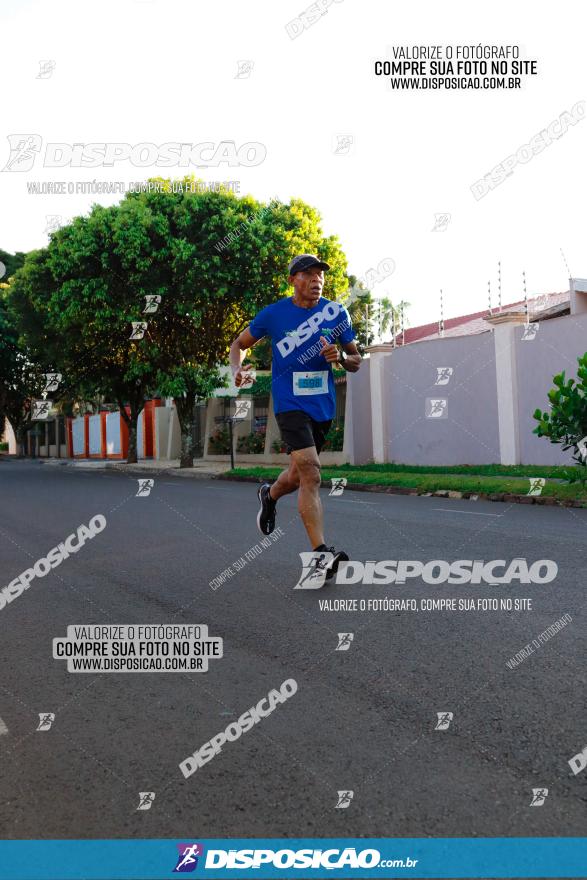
(287, 858)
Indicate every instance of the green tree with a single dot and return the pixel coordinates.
(228, 257)
(74, 311)
(260, 356)
(21, 379)
(566, 423)
(359, 303)
(12, 262)
(389, 316)
(211, 260)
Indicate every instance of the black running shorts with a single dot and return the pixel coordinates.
(299, 430)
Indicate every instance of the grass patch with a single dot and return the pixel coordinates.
(485, 470)
(432, 482)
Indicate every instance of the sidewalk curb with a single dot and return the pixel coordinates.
(148, 470)
(448, 494)
(167, 472)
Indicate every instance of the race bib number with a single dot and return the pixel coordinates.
(310, 383)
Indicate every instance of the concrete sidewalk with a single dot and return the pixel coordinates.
(201, 469)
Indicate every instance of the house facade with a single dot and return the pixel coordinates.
(459, 393)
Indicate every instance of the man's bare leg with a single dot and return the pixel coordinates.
(309, 503)
(287, 482)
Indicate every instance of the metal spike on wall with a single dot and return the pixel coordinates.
(499, 285)
(380, 322)
(489, 295)
(525, 296)
(403, 326)
(441, 322)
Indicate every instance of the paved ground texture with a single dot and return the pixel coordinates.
(362, 719)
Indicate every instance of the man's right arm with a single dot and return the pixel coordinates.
(238, 349)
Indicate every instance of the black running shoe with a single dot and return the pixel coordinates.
(266, 515)
(331, 566)
(320, 567)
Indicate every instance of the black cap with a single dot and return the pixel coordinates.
(306, 261)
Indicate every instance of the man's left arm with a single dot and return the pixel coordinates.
(333, 355)
(353, 359)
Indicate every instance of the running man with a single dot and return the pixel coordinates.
(304, 330)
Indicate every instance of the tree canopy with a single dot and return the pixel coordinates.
(193, 266)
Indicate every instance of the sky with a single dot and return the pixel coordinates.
(156, 71)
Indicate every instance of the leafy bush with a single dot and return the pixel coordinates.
(335, 438)
(260, 387)
(219, 442)
(253, 443)
(566, 423)
(278, 446)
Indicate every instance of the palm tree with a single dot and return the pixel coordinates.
(391, 316)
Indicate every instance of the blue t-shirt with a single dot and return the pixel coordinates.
(301, 376)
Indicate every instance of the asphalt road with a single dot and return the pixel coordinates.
(362, 719)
